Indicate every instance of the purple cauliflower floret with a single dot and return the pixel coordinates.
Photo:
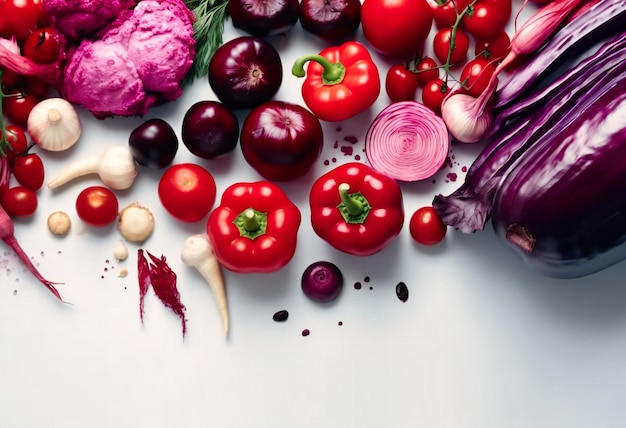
(140, 61)
(80, 18)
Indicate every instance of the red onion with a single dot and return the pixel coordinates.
(407, 141)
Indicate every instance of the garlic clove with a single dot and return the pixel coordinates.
(54, 124)
(120, 252)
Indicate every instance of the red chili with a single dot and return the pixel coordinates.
(342, 81)
(255, 228)
(356, 209)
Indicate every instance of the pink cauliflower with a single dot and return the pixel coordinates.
(80, 18)
(139, 60)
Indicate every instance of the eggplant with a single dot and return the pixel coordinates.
(603, 20)
(562, 206)
(518, 129)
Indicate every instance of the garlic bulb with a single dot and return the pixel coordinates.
(54, 125)
(115, 166)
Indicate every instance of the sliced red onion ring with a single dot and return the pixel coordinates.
(407, 142)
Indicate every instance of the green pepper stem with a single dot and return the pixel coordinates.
(250, 222)
(333, 73)
(354, 207)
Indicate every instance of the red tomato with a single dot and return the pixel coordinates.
(476, 74)
(42, 46)
(401, 84)
(17, 140)
(97, 206)
(396, 27)
(505, 7)
(19, 201)
(16, 105)
(426, 227)
(485, 20)
(23, 16)
(445, 14)
(433, 94)
(10, 79)
(187, 191)
(427, 70)
(37, 87)
(442, 42)
(494, 48)
(28, 170)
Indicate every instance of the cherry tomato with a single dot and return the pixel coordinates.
(16, 105)
(97, 206)
(5, 24)
(445, 14)
(187, 191)
(505, 7)
(401, 84)
(28, 170)
(494, 48)
(396, 27)
(42, 46)
(485, 20)
(433, 94)
(19, 201)
(427, 70)
(16, 137)
(426, 227)
(10, 79)
(476, 74)
(37, 87)
(23, 16)
(442, 42)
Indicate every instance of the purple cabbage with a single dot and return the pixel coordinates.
(563, 204)
(605, 18)
(519, 128)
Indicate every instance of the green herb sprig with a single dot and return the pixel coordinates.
(208, 28)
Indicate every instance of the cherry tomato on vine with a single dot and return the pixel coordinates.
(505, 7)
(35, 86)
(426, 227)
(427, 70)
(445, 14)
(396, 27)
(28, 170)
(42, 46)
(476, 74)
(97, 206)
(485, 20)
(10, 79)
(433, 94)
(16, 138)
(19, 201)
(494, 48)
(442, 42)
(401, 83)
(17, 104)
(22, 16)
(187, 191)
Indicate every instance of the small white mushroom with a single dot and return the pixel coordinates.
(59, 223)
(135, 223)
(198, 252)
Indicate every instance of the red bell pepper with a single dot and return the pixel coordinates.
(356, 209)
(341, 81)
(255, 228)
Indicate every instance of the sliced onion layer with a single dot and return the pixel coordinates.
(407, 141)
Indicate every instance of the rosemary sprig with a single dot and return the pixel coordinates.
(208, 28)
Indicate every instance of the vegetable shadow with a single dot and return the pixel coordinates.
(596, 301)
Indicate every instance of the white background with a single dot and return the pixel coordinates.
(482, 341)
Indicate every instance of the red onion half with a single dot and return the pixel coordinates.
(407, 142)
